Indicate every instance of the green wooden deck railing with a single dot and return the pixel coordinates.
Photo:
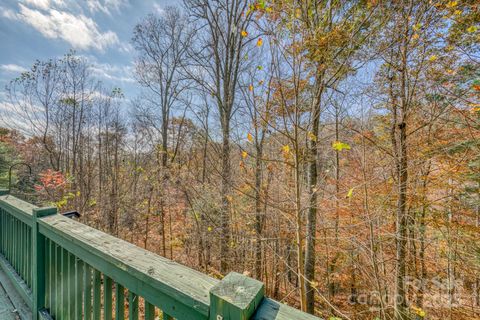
(64, 269)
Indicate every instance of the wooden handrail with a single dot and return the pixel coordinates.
(72, 262)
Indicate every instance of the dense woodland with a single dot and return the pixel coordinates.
(330, 149)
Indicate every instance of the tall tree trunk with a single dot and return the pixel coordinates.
(422, 238)
(225, 210)
(310, 253)
(477, 224)
(401, 229)
(259, 214)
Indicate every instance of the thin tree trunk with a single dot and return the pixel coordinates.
(258, 213)
(225, 210)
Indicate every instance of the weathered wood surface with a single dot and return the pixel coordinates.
(12, 306)
(22, 209)
(274, 310)
(235, 297)
(178, 290)
(20, 286)
(7, 310)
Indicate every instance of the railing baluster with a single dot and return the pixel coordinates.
(78, 288)
(47, 272)
(71, 286)
(132, 306)
(51, 271)
(29, 258)
(149, 311)
(119, 302)
(87, 284)
(14, 248)
(107, 297)
(64, 284)
(54, 279)
(59, 290)
(97, 307)
(22, 255)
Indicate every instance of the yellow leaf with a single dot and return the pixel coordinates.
(250, 137)
(244, 33)
(472, 29)
(419, 311)
(298, 13)
(260, 82)
(244, 154)
(209, 229)
(339, 146)
(286, 149)
(250, 87)
(311, 136)
(415, 36)
(259, 42)
(452, 4)
(350, 193)
(432, 58)
(458, 12)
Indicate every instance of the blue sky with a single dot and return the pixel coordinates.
(98, 29)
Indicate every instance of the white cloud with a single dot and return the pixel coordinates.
(8, 13)
(41, 4)
(158, 9)
(104, 5)
(13, 68)
(78, 30)
(113, 72)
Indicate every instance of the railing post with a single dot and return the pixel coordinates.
(38, 248)
(236, 297)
